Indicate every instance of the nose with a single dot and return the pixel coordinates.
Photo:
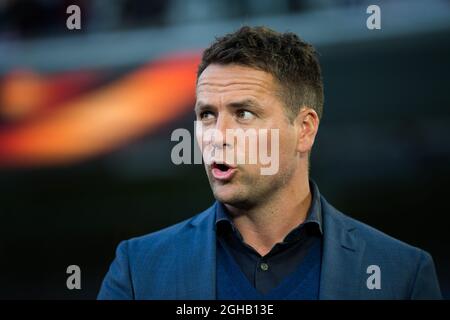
(219, 137)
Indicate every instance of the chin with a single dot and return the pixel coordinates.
(223, 194)
(231, 196)
(226, 193)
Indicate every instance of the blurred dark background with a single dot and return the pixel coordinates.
(79, 172)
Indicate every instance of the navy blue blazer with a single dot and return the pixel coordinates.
(179, 263)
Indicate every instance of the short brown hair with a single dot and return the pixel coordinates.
(290, 60)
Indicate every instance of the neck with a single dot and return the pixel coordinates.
(268, 223)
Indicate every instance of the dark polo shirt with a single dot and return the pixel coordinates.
(266, 272)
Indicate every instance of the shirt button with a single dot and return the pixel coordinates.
(264, 266)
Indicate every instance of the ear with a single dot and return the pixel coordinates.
(307, 123)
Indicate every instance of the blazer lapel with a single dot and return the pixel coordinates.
(196, 264)
(341, 273)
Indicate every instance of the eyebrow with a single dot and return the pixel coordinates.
(246, 103)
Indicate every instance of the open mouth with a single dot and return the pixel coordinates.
(222, 171)
(222, 167)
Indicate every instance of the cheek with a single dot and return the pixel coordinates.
(287, 148)
(279, 139)
(288, 139)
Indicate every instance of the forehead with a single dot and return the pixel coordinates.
(224, 79)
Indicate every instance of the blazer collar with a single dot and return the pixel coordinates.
(341, 273)
(343, 249)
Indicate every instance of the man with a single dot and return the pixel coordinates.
(268, 236)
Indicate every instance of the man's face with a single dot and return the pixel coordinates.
(237, 97)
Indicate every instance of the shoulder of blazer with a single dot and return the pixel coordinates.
(349, 230)
(169, 236)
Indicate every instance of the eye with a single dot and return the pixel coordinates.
(245, 115)
(206, 115)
